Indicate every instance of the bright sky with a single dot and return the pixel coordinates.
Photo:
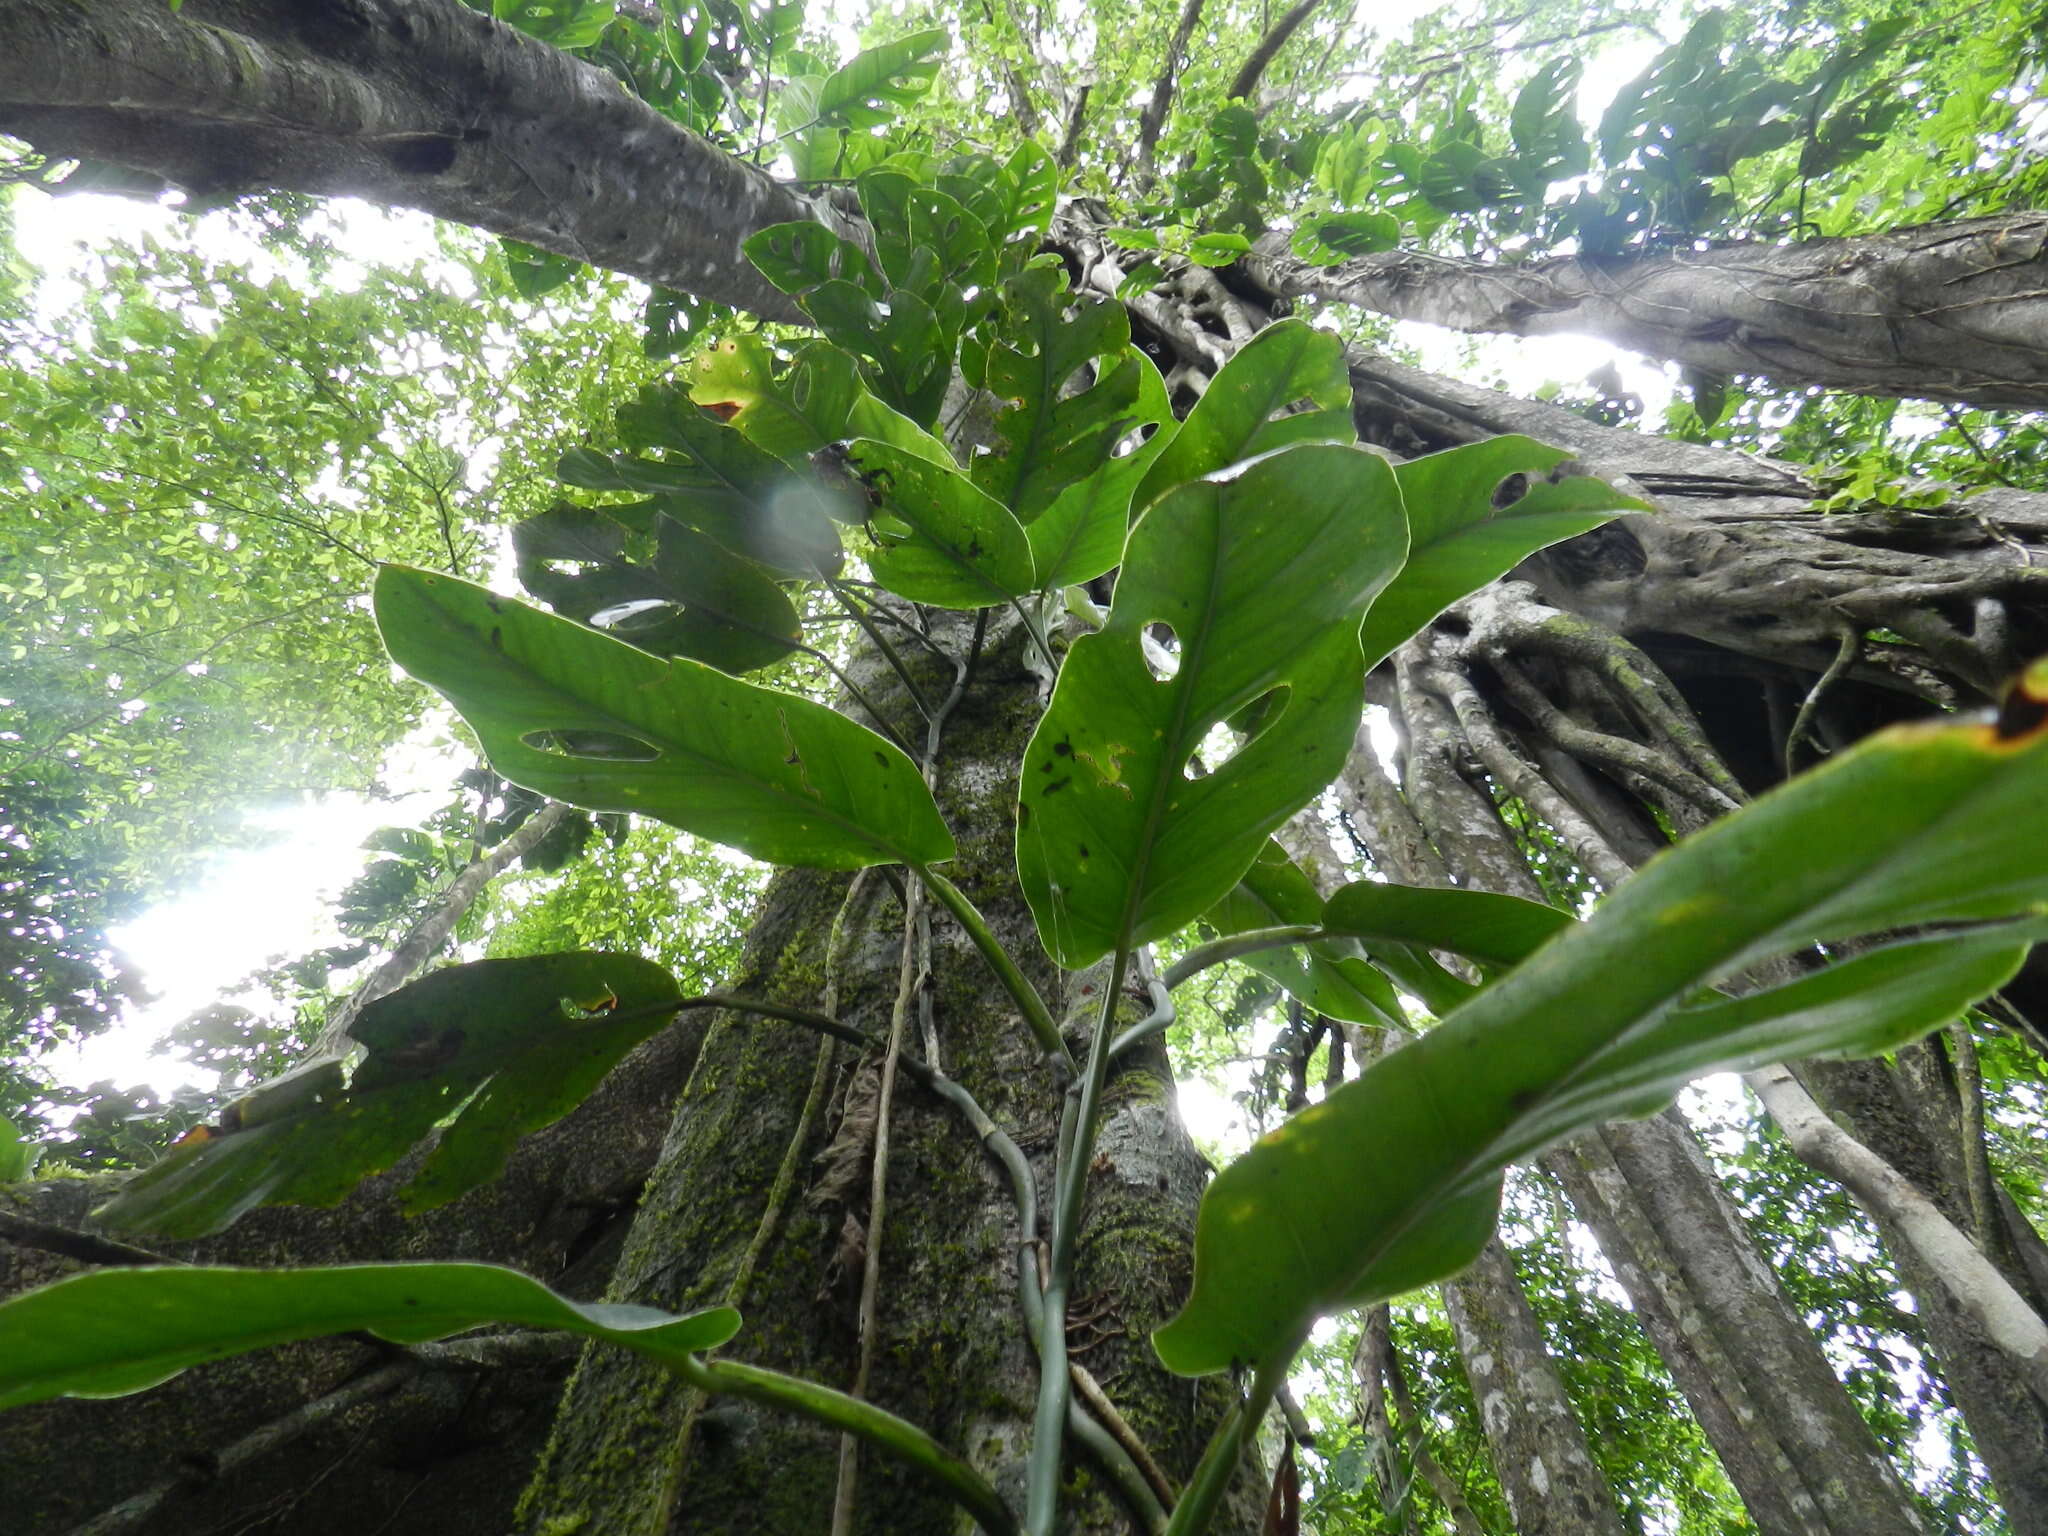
(252, 906)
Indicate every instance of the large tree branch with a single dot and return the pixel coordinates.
(419, 103)
(1153, 119)
(1246, 80)
(1938, 311)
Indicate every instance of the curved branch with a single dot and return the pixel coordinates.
(1254, 66)
(1153, 119)
(413, 103)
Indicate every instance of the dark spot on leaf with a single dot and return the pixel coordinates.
(793, 759)
(497, 638)
(1057, 785)
(1082, 849)
(1063, 748)
(1023, 813)
(880, 759)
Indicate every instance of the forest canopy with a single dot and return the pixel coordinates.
(976, 583)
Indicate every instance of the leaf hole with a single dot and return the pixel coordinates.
(602, 746)
(1160, 647)
(1509, 491)
(641, 613)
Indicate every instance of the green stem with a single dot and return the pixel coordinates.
(1161, 1017)
(1036, 1015)
(1037, 636)
(860, 617)
(1204, 1495)
(1043, 1474)
(881, 1429)
(1231, 947)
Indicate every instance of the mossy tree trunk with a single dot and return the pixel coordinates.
(761, 1199)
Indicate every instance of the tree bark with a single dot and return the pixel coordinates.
(632, 1450)
(1553, 1485)
(411, 103)
(1955, 311)
(1800, 1456)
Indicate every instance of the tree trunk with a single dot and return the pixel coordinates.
(785, 1235)
(1800, 1456)
(1553, 1485)
(1951, 311)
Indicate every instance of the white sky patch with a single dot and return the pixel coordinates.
(250, 907)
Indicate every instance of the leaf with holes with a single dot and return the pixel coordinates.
(574, 715)
(1474, 514)
(117, 1331)
(1248, 408)
(1915, 827)
(876, 83)
(1261, 574)
(936, 538)
(1055, 436)
(799, 257)
(711, 478)
(514, 1043)
(684, 594)
(1081, 535)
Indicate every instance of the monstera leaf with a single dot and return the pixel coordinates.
(686, 595)
(1392, 1181)
(1261, 575)
(506, 1046)
(1474, 514)
(1250, 407)
(579, 717)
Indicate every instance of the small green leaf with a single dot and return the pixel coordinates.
(1914, 827)
(1247, 409)
(689, 597)
(1329, 977)
(954, 546)
(1475, 513)
(1261, 575)
(582, 718)
(1054, 436)
(1081, 535)
(799, 257)
(117, 1331)
(871, 87)
(18, 1155)
(1339, 236)
(1217, 250)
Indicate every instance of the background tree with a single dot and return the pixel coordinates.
(1554, 730)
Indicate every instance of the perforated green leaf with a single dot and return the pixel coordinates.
(1286, 385)
(1261, 575)
(583, 718)
(1474, 514)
